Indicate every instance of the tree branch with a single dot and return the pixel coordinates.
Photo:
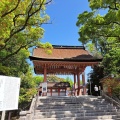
(105, 23)
(115, 8)
(25, 24)
(15, 52)
(16, 16)
(107, 35)
(12, 53)
(12, 33)
(112, 8)
(6, 13)
(48, 2)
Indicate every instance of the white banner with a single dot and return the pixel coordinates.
(9, 92)
(44, 87)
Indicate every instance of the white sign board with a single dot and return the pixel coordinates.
(9, 92)
(44, 87)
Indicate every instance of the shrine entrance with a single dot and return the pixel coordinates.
(64, 60)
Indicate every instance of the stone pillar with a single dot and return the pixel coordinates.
(83, 82)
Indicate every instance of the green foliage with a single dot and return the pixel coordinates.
(111, 61)
(47, 47)
(103, 32)
(38, 80)
(116, 91)
(16, 65)
(67, 79)
(27, 89)
(20, 25)
(113, 84)
(53, 78)
(92, 49)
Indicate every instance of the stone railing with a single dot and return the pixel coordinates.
(111, 100)
(29, 115)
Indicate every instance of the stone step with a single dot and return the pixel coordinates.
(78, 118)
(90, 100)
(76, 112)
(48, 115)
(74, 119)
(72, 102)
(74, 109)
(77, 105)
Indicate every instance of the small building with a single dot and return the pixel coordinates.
(55, 88)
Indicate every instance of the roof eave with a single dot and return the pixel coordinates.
(69, 60)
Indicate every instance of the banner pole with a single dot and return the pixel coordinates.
(3, 115)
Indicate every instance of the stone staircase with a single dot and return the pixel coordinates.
(75, 108)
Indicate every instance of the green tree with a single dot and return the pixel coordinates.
(102, 31)
(68, 79)
(38, 80)
(27, 89)
(16, 65)
(20, 26)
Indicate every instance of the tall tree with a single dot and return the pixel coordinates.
(20, 29)
(27, 89)
(102, 31)
(20, 26)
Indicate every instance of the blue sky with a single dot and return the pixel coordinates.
(63, 30)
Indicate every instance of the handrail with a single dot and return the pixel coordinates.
(116, 98)
(111, 100)
(29, 115)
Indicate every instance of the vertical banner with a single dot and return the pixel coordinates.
(44, 87)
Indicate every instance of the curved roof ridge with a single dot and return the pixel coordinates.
(68, 46)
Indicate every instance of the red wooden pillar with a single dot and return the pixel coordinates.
(78, 79)
(75, 85)
(45, 74)
(45, 78)
(74, 80)
(83, 81)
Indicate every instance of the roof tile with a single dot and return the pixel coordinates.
(62, 53)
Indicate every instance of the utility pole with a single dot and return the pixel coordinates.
(90, 87)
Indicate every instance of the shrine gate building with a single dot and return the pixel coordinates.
(64, 60)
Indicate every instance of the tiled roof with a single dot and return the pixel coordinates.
(63, 52)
